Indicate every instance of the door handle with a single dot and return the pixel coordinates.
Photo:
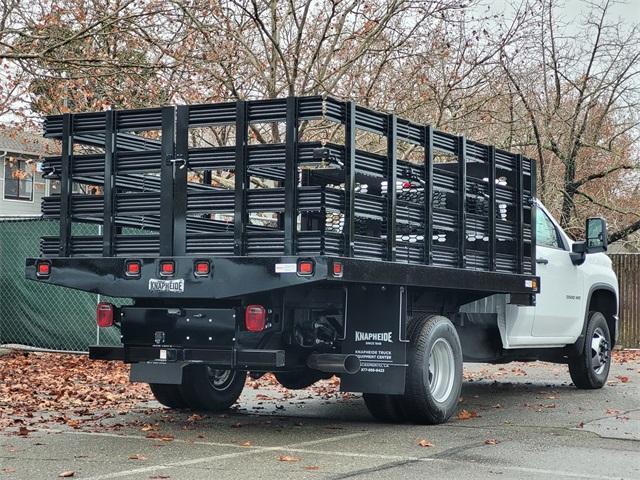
(543, 261)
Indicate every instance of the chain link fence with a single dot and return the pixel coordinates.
(38, 315)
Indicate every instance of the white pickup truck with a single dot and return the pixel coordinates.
(575, 317)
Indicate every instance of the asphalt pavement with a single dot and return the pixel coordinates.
(521, 421)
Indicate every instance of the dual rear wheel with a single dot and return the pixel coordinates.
(203, 388)
(433, 378)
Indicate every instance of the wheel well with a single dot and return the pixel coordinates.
(604, 301)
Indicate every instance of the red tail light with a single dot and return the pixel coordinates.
(104, 315)
(255, 317)
(305, 267)
(201, 268)
(167, 269)
(43, 269)
(133, 268)
(338, 269)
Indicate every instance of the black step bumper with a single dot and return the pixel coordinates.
(243, 359)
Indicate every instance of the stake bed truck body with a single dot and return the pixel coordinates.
(388, 266)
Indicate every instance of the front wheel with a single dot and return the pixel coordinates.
(211, 389)
(590, 369)
(434, 373)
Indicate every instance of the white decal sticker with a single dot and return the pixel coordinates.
(170, 286)
(374, 337)
(163, 354)
(528, 284)
(286, 268)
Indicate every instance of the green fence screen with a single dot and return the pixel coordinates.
(39, 315)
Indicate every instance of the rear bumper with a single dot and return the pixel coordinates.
(235, 358)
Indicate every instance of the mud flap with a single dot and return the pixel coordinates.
(375, 331)
(154, 372)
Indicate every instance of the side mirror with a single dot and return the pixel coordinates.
(595, 240)
(596, 235)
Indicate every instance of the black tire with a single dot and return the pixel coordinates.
(384, 408)
(205, 388)
(590, 369)
(168, 395)
(419, 403)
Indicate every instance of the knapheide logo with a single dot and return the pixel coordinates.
(170, 286)
(374, 337)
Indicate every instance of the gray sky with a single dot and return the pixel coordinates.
(628, 11)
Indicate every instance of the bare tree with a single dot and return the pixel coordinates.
(579, 89)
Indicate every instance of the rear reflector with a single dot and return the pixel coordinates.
(201, 268)
(167, 269)
(305, 267)
(43, 269)
(104, 315)
(255, 318)
(133, 268)
(337, 269)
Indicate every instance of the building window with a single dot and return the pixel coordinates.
(18, 179)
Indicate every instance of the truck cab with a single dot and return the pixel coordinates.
(571, 283)
(578, 288)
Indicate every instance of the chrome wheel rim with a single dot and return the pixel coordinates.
(219, 379)
(441, 371)
(599, 351)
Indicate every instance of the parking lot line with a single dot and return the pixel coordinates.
(300, 448)
(194, 461)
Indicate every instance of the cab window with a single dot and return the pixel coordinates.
(546, 232)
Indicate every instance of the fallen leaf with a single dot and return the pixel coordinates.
(491, 441)
(137, 456)
(425, 443)
(622, 378)
(246, 444)
(7, 470)
(613, 411)
(288, 458)
(67, 474)
(467, 414)
(581, 425)
(23, 431)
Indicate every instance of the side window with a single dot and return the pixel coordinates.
(18, 180)
(546, 233)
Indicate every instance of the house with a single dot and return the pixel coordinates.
(22, 185)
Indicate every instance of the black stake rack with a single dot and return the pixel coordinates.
(472, 211)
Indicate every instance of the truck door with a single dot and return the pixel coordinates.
(559, 310)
